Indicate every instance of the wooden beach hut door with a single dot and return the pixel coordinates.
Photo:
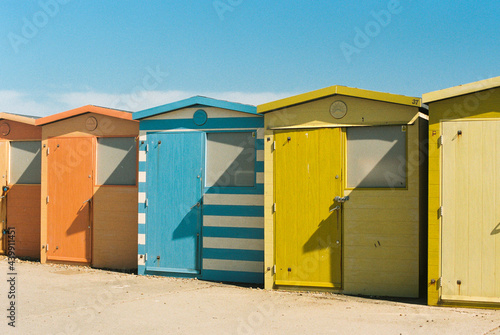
(174, 178)
(471, 211)
(69, 204)
(308, 221)
(4, 166)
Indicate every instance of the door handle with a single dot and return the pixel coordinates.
(88, 200)
(198, 204)
(334, 208)
(341, 199)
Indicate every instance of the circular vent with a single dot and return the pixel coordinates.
(338, 109)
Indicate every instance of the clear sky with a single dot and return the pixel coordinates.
(61, 54)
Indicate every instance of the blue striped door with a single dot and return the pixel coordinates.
(175, 164)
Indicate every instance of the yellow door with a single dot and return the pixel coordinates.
(471, 211)
(308, 232)
(4, 166)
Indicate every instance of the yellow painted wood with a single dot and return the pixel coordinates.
(461, 90)
(306, 232)
(471, 220)
(340, 90)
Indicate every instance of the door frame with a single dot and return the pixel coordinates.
(199, 260)
(342, 151)
(90, 244)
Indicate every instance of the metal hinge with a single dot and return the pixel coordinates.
(440, 282)
(441, 211)
(274, 208)
(440, 141)
(146, 202)
(47, 248)
(273, 147)
(145, 257)
(146, 148)
(47, 200)
(48, 151)
(274, 268)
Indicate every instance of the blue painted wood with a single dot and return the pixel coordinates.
(194, 101)
(234, 254)
(174, 172)
(257, 189)
(234, 276)
(226, 210)
(231, 232)
(212, 123)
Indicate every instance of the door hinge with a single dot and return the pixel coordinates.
(47, 200)
(440, 282)
(146, 202)
(47, 248)
(273, 147)
(274, 269)
(274, 208)
(440, 141)
(145, 257)
(440, 211)
(48, 151)
(146, 148)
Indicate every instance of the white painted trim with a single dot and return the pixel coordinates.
(142, 197)
(230, 265)
(212, 112)
(141, 218)
(260, 178)
(234, 199)
(260, 155)
(233, 243)
(142, 176)
(233, 221)
(141, 239)
(142, 156)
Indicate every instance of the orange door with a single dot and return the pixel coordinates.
(70, 188)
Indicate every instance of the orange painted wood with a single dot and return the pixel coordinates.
(23, 213)
(21, 131)
(70, 185)
(4, 165)
(83, 110)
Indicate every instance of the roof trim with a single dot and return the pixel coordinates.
(461, 90)
(339, 90)
(18, 118)
(83, 110)
(196, 100)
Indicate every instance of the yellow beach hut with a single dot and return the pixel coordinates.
(345, 187)
(464, 195)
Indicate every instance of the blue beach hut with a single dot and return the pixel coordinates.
(201, 192)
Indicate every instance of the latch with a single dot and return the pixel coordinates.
(341, 199)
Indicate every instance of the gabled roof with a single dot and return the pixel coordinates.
(83, 110)
(461, 90)
(339, 90)
(27, 119)
(195, 101)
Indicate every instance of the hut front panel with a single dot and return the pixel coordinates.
(114, 239)
(19, 131)
(23, 208)
(471, 211)
(232, 230)
(69, 202)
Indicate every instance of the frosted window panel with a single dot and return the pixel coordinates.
(230, 159)
(376, 157)
(116, 161)
(25, 162)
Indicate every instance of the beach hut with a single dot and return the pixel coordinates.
(201, 191)
(464, 195)
(20, 180)
(89, 188)
(344, 205)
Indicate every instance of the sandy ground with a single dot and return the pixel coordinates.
(59, 299)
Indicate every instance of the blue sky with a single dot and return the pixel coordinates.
(61, 54)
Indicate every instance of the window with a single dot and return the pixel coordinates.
(25, 162)
(116, 161)
(230, 159)
(376, 157)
